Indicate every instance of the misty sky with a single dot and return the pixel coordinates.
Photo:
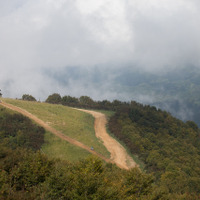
(41, 39)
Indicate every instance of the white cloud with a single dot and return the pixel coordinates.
(106, 20)
(40, 34)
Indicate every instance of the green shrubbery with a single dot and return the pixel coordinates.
(169, 147)
(27, 97)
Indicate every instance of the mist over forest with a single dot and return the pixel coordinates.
(176, 91)
(106, 49)
(173, 90)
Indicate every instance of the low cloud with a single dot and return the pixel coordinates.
(42, 39)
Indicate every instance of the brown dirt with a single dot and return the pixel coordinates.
(119, 155)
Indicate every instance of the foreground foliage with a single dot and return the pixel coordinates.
(18, 131)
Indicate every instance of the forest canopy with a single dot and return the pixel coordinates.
(169, 147)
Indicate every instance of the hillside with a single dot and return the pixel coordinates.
(169, 148)
(75, 124)
(26, 173)
(118, 154)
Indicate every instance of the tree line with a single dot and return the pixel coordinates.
(84, 102)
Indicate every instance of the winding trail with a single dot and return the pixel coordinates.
(119, 155)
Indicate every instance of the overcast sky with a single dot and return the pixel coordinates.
(41, 36)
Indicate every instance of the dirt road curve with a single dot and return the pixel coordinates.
(118, 153)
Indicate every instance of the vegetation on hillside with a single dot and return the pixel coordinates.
(18, 131)
(26, 173)
(73, 123)
(28, 97)
(84, 102)
(169, 147)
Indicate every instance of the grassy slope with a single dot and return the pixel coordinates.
(76, 124)
(55, 147)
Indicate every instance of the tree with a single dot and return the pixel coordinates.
(28, 97)
(86, 101)
(31, 171)
(70, 101)
(192, 125)
(138, 184)
(54, 98)
(0, 93)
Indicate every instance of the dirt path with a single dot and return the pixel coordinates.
(119, 155)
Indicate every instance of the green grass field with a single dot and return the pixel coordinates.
(71, 122)
(57, 148)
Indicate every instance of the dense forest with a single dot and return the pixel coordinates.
(169, 147)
